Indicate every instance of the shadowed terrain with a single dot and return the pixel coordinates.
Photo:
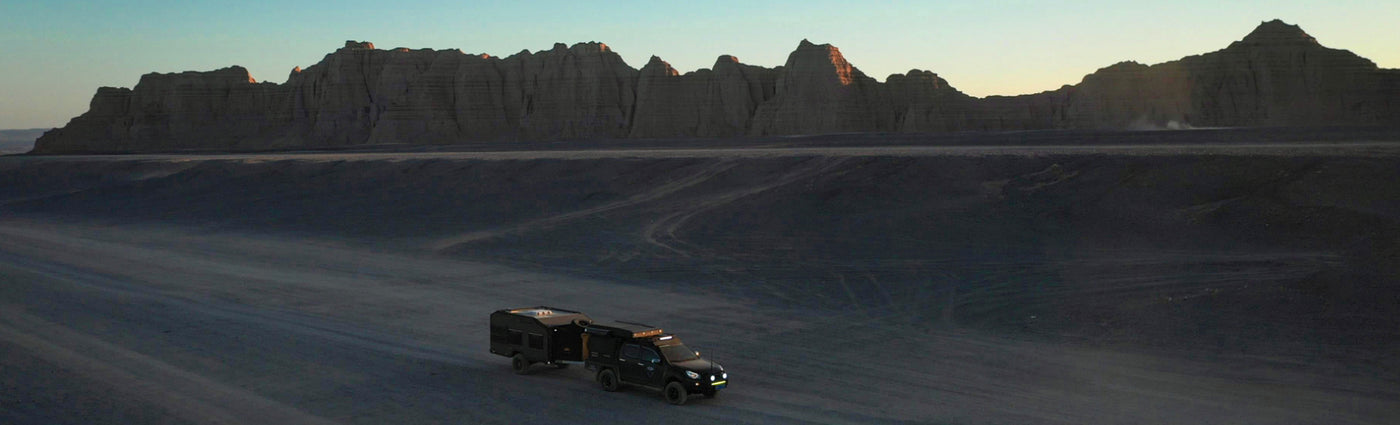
(1172, 277)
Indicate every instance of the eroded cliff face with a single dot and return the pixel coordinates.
(1277, 75)
(361, 95)
(165, 112)
(669, 104)
(819, 92)
(716, 102)
(357, 95)
(922, 102)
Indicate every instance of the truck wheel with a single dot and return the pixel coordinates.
(520, 365)
(675, 393)
(608, 379)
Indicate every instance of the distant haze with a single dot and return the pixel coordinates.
(58, 52)
(19, 141)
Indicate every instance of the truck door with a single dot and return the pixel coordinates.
(640, 365)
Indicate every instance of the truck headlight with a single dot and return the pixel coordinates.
(725, 375)
(692, 375)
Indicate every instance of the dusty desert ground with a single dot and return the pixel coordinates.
(1231, 277)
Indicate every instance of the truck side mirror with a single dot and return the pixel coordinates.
(655, 361)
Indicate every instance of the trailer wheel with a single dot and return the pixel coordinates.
(675, 393)
(519, 363)
(608, 379)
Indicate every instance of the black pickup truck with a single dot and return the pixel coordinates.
(645, 356)
(620, 353)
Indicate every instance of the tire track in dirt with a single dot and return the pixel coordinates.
(666, 226)
(659, 192)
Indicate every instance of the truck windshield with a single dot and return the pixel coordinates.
(677, 353)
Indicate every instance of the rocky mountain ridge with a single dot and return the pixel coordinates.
(359, 95)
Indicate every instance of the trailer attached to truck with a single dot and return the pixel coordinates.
(619, 353)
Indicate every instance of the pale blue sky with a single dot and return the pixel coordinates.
(58, 52)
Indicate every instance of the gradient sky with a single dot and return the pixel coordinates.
(58, 52)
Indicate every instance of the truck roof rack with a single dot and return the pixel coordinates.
(623, 329)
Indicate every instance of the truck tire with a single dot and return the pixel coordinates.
(675, 393)
(608, 379)
(519, 364)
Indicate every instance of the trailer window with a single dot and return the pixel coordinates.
(537, 341)
(515, 337)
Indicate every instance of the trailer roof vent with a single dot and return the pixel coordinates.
(535, 312)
